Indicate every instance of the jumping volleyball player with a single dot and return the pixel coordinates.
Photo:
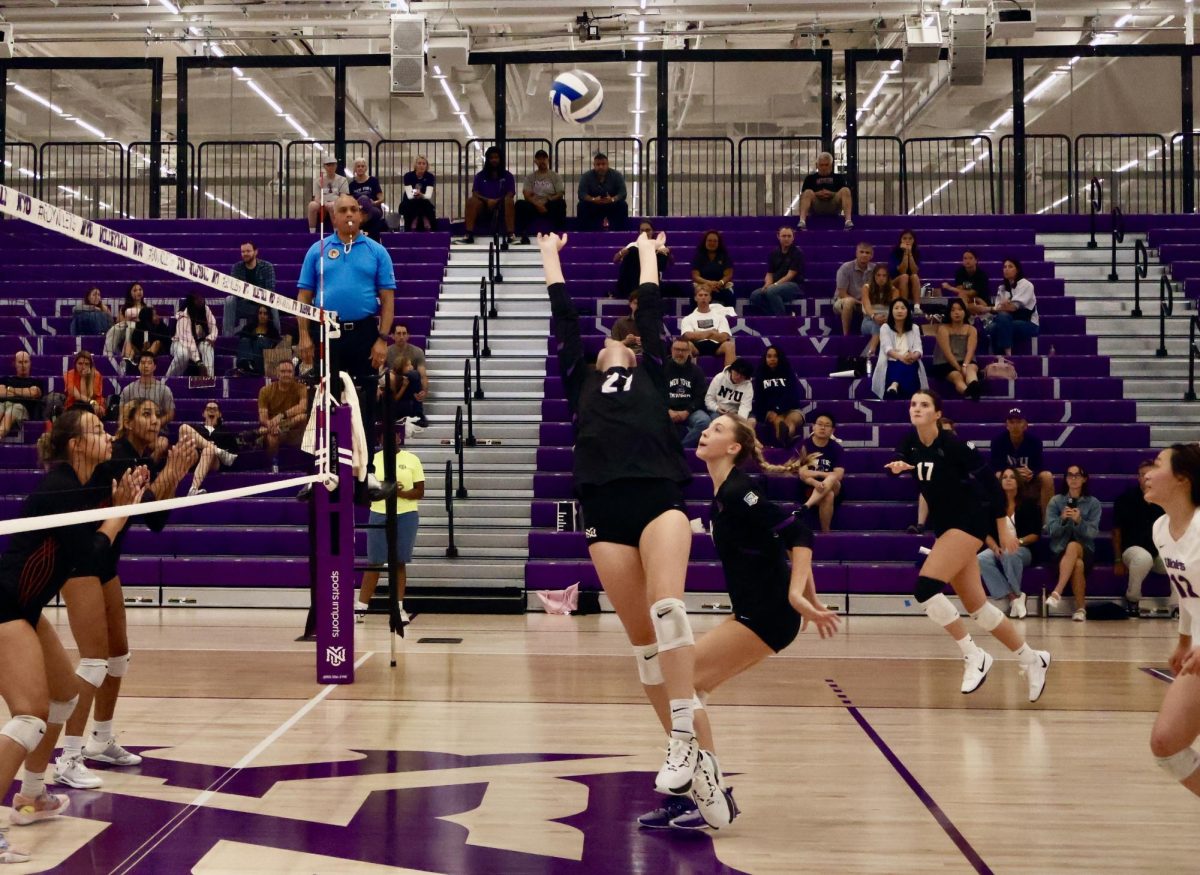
(97, 613)
(1174, 485)
(754, 538)
(965, 506)
(36, 681)
(629, 468)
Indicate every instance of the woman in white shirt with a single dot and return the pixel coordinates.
(327, 188)
(1174, 485)
(1015, 308)
(900, 371)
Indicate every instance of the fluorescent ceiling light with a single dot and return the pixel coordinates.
(169, 6)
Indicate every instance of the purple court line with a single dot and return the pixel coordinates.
(1159, 674)
(921, 793)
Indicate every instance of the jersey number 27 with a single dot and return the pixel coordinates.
(617, 382)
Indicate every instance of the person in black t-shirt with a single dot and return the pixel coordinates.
(39, 684)
(966, 506)
(686, 387)
(712, 269)
(629, 468)
(826, 193)
(970, 284)
(96, 603)
(20, 394)
(755, 539)
(785, 276)
(1132, 536)
(366, 189)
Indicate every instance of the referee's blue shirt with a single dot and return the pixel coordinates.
(353, 277)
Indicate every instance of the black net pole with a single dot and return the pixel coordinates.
(458, 451)
(451, 549)
(1141, 268)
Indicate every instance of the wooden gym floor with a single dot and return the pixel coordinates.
(527, 748)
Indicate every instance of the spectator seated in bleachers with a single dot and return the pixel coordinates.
(900, 371)
(492, 196)
(875, 301)
(1134, 553)
(625, 329)
(1072, 523)
(91, 315)
(777, 399)
(707, 329)
(712, 269)
(215, 442)
(83, 386)
(970, 284)
(954, 355)
(404, 382)
(237, 313)
(328, 187)
(116, 341)
(543, 194)
(852, 278)
(822, 469)
(366, 189)
(904, 267)
(686, 387)
(282, 413)
(1017, 448)
(1015, 309)
(826, 194)
(1002, 572)
(784, 277)
(628, 276)
(151, 334)
(195, 332)
(401, 348)
(417, 204)
(145, 386)
(253, 339)
(20, 395)
(602, 198)
(732, 391)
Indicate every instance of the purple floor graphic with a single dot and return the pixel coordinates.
(392, 828)
(960, 841)
(1162, 674)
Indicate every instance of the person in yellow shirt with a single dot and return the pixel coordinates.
(410, 489)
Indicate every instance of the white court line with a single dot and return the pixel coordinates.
(164, 832)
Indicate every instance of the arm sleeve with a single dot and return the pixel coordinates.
(887, 340)
(559, 187)
(385, 271)
(649, 321)
(698, 388)
(268, 276)
(582, 186)
(571, 363)
(757, 402)
(904, 450)
(1089, 512)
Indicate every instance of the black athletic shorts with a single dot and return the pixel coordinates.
(618, 512)
(777, 626)
(973, 522)
(706, 347)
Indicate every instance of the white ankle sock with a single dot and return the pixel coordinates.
(102, 730)
(1026, 654)
(681, 718)
(72, 745)
(967, 645)
(33, 784)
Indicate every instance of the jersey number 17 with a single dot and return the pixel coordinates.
(925, 471)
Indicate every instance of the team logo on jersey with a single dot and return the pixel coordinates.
(971, 444)
(334, 253)
(751, 498)
(589, 533)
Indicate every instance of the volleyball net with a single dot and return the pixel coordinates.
(328, 439)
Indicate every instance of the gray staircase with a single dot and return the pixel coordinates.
(491, 525)
(1156, 383)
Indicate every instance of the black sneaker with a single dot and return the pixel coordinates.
(524, 239)
(916, 529)
(468, 238)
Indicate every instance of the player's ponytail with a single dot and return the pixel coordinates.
(751, 447)
(54, 445)
(1185, 462)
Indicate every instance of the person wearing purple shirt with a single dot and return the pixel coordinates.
(822, 469)
(494, 189)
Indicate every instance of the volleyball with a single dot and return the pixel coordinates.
(576, 96)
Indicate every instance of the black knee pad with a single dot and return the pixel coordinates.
(927, 588)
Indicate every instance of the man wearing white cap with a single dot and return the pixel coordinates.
(328, 185)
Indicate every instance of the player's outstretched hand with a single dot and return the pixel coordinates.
(825, 620)
(129, 489)
(181, 457)
(551, 241)
(1191, 662)
(898, 466)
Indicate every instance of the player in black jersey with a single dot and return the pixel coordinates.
(965, 506)
(97, 612)
(36, 680)
(629, 468)
(755, 539)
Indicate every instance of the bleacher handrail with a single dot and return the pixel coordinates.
(1141, 269)
(1096, 202)
(1193, 321)
(1118, 236)
(470, 439)
(1166, 308)
(459, 443)
(451, 549)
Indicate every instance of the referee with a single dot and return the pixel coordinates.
(360, 285)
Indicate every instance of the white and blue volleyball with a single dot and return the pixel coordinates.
(576, 96)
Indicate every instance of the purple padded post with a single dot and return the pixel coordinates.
(334, 559)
